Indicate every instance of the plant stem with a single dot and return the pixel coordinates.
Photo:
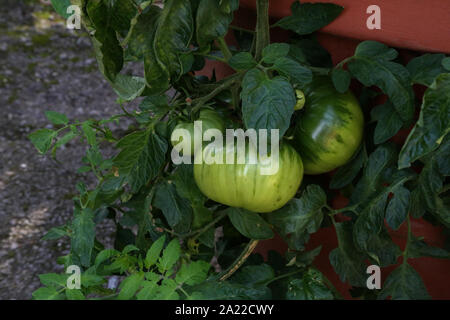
(240, 260)
(224, 48)
(283, 276)
(228, 83)
(199, 232)
(242, 29)
(262, 27)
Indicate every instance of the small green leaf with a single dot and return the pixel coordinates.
(47, 294)
(42, 139)
(309, 17)
(249, 224)
(105, 255)
(194, 273)
(346, 260)
(154, 252)
(130, 285)
(56, 118)
(404, 283)
(398, 207)
(56, 233)
(446, 63)
(345, 174)
(254, 275)
(89, 133)
(311, 286)
(242, 61)
(83, 235)
(275, 51)
(267, 103)
(341, 79)
(300, 217)
(170, 256)
(388, 120)
(419, 248)
(75, 294)
(53, 279)
(128, 87)
(129, 248)
(426, 68)
(433, 124)
(61, 7)
(293, 70)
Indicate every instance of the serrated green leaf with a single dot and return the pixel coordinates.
(104, 255)
(388, 120)
(242, 61)
(47, 294)
(176, 209)
(275, 51)
(424, 69)
(170, 256)
(56, 118)
(267, 103)
(311, 286)
(398, 208)
(249, 224)
(254, 275)
(404, 283)
(61, 7)
(212, 20)
(341, 79)
(129, 248)
(300, 217)
(141, 157)
(194, 273)
(293, 70)
(309, 17)
(346, 260)
(345, 174)
(89, 133)
(433, 124)
(56, 233)
(154, 252)
(42, 139)
(128, 87)
(372, 65)
(74, 294)
(130, 285)
(83, 235)
(418, 248)
(55, 280)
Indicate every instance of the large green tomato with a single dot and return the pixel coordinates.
(210, 120)
(243, 185)
(330, 130)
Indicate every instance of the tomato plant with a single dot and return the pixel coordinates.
(187, 231)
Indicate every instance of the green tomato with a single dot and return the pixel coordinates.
(210, 120)
(244, 185)
(330, 130)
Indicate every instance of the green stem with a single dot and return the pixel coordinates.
(197, 233)
(240, 260)
(232, 80)
(286, 275)
(262, 27)
(224, 48)
(242, 29)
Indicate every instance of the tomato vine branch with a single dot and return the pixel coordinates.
(240, 260)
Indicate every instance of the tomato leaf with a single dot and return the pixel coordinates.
(61, 6)
(83, 235)
(242, 61)
(130, 285)
(127, 87)
(173, 34)
(425, 69)
(254, 275)
(275, 51)
(56, 118)
(293, 70)
(372, 65)
(433, 124)
(388, 120)
(141, 157)
(345, 259)
(310, 52)
(341, 79)
(42, 139)
(193, 273)
(47, 293)
(212, 20)
(153, 253)
(345, 174)
(176, 209)
(404, 283)
(398, 207)
(267, 103)
(227, 290)
(310, 286)
(309, 17)
(170, 256)
(249, 224)
(419, 248)
(300, 217)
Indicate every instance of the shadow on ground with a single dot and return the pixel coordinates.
(43, 66)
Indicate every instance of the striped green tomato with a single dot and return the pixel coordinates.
(330, 129)
(210, 120)
(244, 185)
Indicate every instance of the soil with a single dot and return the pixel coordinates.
(43, 66)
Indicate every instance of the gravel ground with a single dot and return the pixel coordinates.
(43, 66)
